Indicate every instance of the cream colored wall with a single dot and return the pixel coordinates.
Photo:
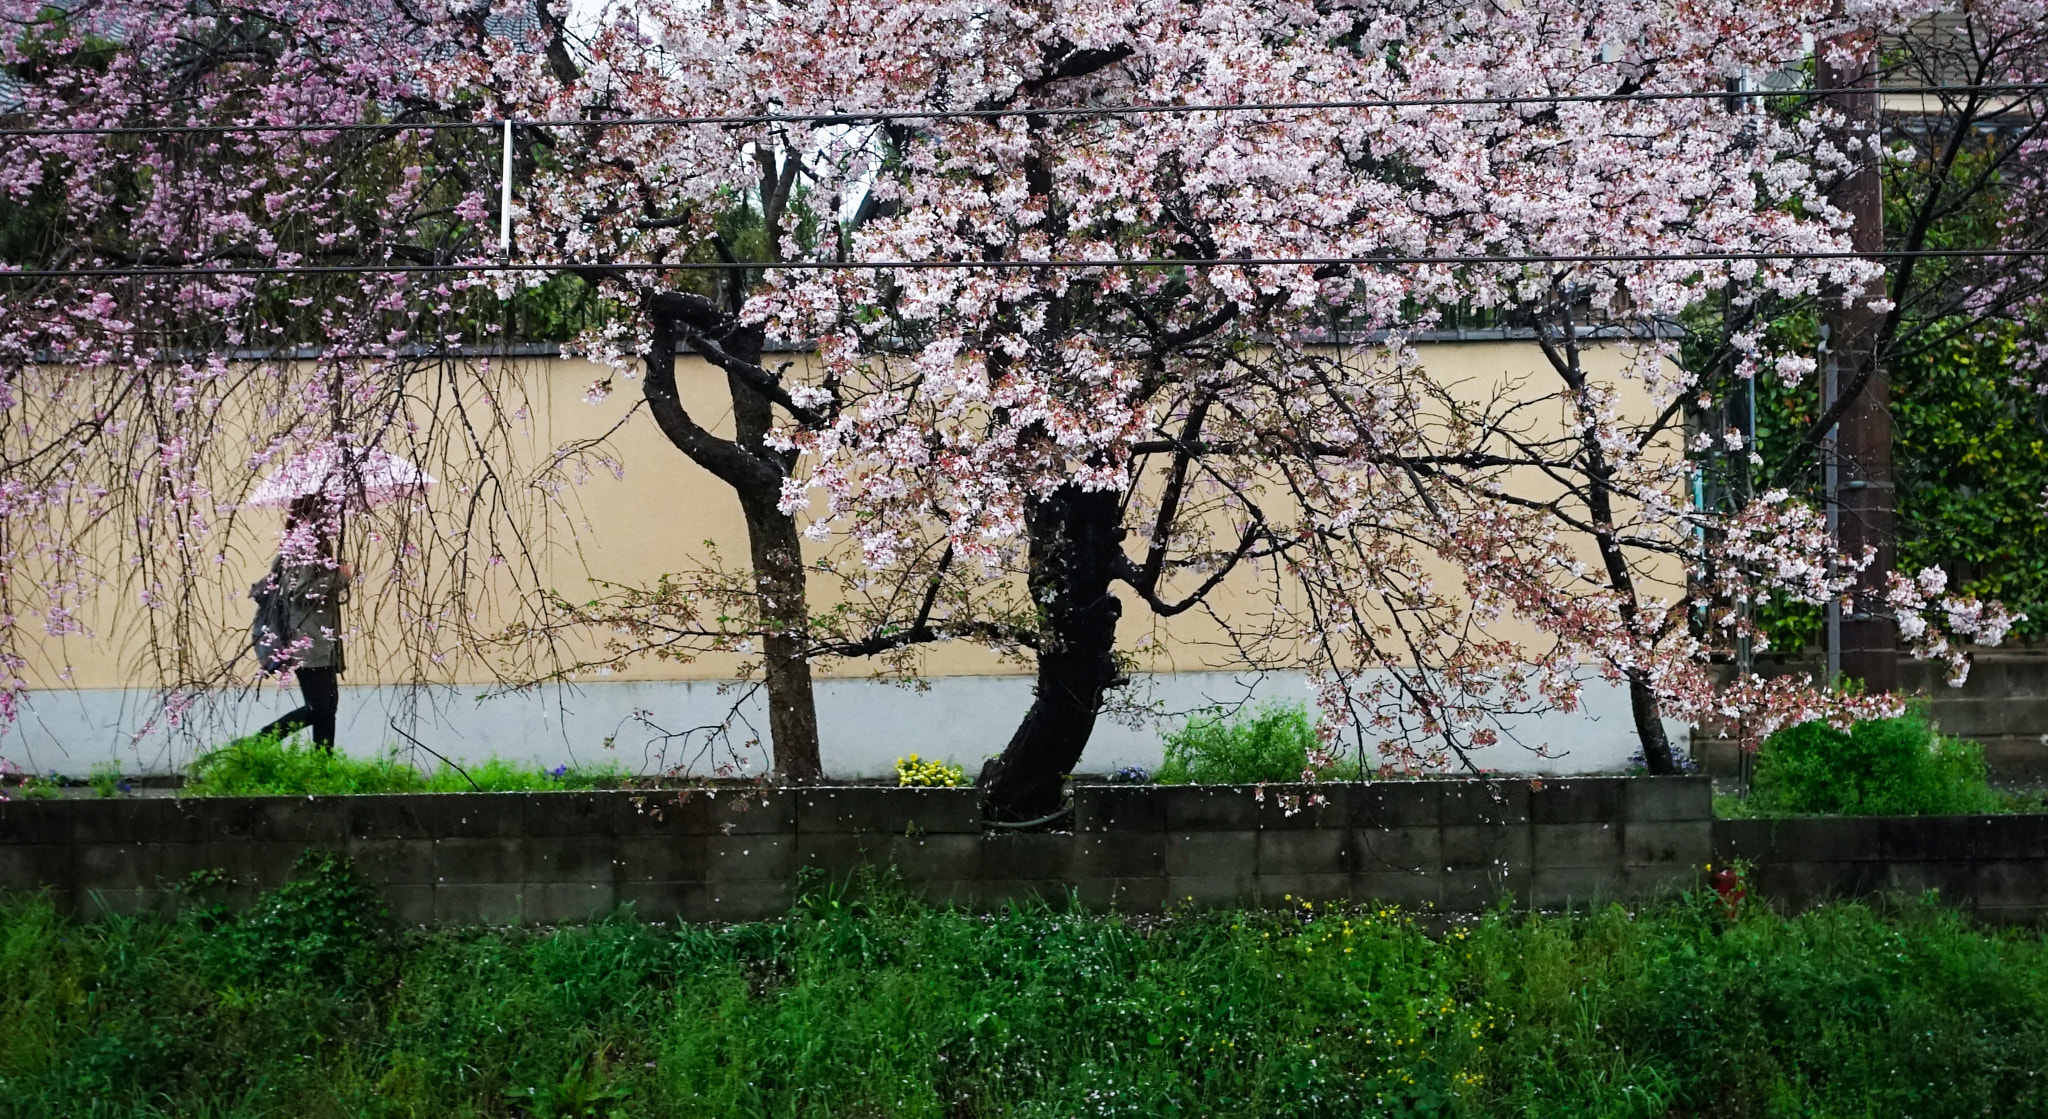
(656, 515)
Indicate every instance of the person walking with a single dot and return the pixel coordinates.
(307, 587)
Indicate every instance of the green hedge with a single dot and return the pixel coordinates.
(311, 1004)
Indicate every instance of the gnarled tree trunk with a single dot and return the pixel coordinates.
(1076, 545)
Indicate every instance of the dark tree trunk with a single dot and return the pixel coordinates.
(1076, 545)
(1642, 703)
(755, 472)
(1642, 699)
(777, 554)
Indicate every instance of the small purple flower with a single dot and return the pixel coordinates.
(558, 771)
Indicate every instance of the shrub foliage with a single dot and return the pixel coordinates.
(1880, 767)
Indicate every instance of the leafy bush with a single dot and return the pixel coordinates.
(267, 766)
(868, 1004)
(1271, 743)
(1881, 767)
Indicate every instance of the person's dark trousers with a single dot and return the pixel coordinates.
(321, 690)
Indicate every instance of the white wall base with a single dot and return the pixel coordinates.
(651, 727)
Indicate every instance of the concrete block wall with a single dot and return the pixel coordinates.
(1993, 867)
(545, 858)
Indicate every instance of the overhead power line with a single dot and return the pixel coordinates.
(1007, 265)
(844, 117)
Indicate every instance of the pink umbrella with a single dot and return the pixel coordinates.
(351, 476)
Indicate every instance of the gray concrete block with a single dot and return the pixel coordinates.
(1119, 808)
(389, 817)
(1647, 882)
(410, 905)
(1393, 887)
(1575, 845)
(677, 858)
(109, 821)
(2010, 883)
(1219, 891)
(35, 821)
(120, 902)
(837, 854)
(398, 862)
(472, 815)
(1954, 880)
(593, 858)
(2011, 837)
(478, 903)
(469, 861)
(1559, 887)
(749, 899)
(665, 902)
(1324, 851)
(649, 814)
(749, 858)
(1041, 855)
(1916, 838)
(995, 895)
(761, 811)
(1390, 804)
(1212, 854)
(1667, 799)
(566, 814)
(886, 810)
(1289, 891)
(1119, 855)
(1578, 800)
(1688, 844)
(2014, 916)
(1829, 839)
(114, 866)
(1478, 890)
(1490, 801)
(1122, 895)
(1397, 850)
(270, 863)
(210, 819)
(564, 903)
(932, 857)
(322, 820)
(230, 859)
(1303, 807)
(34, 866)
(1486, 847)
(1801, 885)
(1210, 807)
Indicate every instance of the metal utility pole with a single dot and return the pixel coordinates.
(1846, 72)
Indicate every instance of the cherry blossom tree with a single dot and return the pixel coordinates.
(1061, 345)
(209, 276)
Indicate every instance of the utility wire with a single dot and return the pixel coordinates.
(857, 117)
(1008, 265)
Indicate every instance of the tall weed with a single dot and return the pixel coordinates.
(1268, 744)
(262, 765)
(864, 1003)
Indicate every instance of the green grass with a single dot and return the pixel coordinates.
(264, 766)
(311, 1004)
